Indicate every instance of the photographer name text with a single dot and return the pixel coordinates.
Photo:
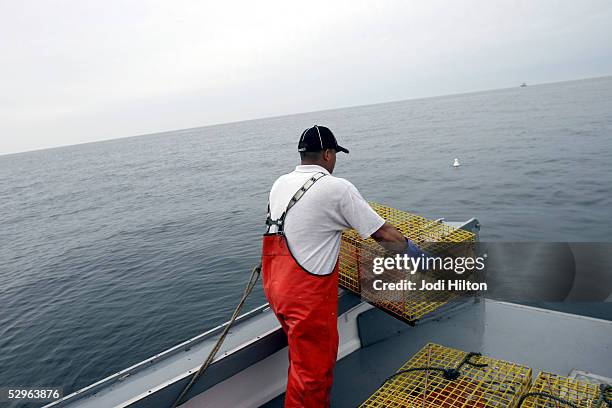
(423, 285)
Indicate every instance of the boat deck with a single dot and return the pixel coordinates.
(251, 365)
(539, 338)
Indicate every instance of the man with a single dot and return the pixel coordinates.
(308, 210)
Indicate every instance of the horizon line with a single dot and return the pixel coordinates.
(293, 114)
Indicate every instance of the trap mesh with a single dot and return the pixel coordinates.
(580, 394)
(436, 238)
(499, 384)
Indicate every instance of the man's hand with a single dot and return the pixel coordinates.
(392, 240)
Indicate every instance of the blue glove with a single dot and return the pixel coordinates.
(413, 251)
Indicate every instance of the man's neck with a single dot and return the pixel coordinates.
(315, 164)
(309, 163)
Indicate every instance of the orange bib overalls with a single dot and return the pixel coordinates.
(306, 306)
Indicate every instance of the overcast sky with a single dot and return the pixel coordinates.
(79, 71)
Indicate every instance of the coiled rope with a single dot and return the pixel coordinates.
(448, 373)
(452, 374)
(247, 291)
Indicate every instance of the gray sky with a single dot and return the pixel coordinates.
(78, 71)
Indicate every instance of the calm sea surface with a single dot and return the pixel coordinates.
(111, 252)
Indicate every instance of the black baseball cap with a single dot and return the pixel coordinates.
(317, 138)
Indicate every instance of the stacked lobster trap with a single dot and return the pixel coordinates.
(444, 377)
(434, 237)
(551, 390)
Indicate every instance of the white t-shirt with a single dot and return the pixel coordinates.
(315, 223)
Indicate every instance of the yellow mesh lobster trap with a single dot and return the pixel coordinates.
(555, 391)
(434, 237)
(443, 377)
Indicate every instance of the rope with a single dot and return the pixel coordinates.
(247, 291)
(448, 373)
(550, 388)
(452, 374)
(546, 395)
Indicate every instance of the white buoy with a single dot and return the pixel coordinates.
(456, 163)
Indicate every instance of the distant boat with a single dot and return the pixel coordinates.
(456, 163)
(523, 85)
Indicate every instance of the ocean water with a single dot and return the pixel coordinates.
(111, 252)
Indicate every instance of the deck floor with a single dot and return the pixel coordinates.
(539, 338)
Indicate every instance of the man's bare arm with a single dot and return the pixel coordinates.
(390, 238)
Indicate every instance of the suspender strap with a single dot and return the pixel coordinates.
(296, 197)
